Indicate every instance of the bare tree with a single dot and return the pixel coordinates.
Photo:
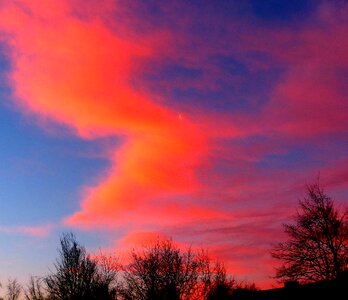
(14, 289)
(163, 271)
(77, 276)
(317, 247)
(34, 290)
(106, 276)
(220, 285)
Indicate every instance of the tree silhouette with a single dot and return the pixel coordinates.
(77, 276)
(14, 289)
(317, 247)
(34, 290)
(164, 272)
(220, 286)
(106, 284)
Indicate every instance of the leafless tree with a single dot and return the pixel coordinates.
(77, 275)
(220, 286)
(34, 290)
(163, 271)
(317, 247)
(14, 289)
(106, 276)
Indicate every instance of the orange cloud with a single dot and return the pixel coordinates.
(141, 239)
(78, 72)
(73, 67)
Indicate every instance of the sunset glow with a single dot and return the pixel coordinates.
(126, 122)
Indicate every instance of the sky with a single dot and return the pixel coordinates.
(200, 121)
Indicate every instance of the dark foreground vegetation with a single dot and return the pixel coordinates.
(328, 290)
(314, 266)
(159, 272)
(317, 245)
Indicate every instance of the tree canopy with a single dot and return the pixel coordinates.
(317, 245)
(77, 276)
(165, 272)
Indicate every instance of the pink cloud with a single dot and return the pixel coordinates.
(37, 231)
(184, 166)
(94, 96)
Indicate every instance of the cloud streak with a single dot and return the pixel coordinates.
(36, 231)
(219, 116)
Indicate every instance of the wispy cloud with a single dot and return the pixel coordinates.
(219, 117)
(37, 231)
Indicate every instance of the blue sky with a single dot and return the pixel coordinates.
(199, 121)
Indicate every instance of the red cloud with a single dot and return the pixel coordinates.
(73, 68)
(79, 73)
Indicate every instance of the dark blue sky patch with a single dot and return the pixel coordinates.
(282, 10)
(4, 61)
(229, 64)
(234, 86)
(214, 100)
(5, 67)
(291, 159)
(170, 72)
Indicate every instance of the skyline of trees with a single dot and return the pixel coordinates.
(160, 271)
(163, 271)
(316, 250)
